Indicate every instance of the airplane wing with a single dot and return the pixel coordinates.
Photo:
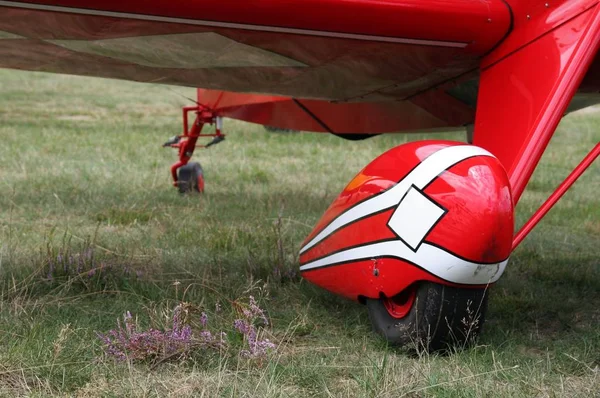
(343, 66)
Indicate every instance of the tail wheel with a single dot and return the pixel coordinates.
(430, 316)
(190, 178)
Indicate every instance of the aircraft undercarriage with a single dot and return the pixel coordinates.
(423, 231)
(421, 287)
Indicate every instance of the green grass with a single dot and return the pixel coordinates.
(81, 165)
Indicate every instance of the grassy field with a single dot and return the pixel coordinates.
(83, 176)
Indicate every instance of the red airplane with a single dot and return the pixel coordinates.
(422, 232)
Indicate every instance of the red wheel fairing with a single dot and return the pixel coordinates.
(433, 211)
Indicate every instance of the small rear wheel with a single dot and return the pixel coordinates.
(429, 316)
(190, 178)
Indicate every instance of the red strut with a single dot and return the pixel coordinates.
(186, 147)
(560, 191)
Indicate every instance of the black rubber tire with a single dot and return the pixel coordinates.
(442, 318)
(188, 177)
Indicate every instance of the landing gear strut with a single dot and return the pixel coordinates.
(190, 177)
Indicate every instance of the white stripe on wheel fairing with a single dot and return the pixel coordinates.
(422, 175)
(431, 258)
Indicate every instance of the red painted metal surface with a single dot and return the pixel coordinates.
(523, 97)
(391, 86)
(187, 142)
(201, 183)
(477, 226)
(400, 305)
(480, 25)
(534, 18)
(380, 175)
(312, 60)
(556, 195)
(229, 57)
(186, 149)
(356, 279)
(322, 116)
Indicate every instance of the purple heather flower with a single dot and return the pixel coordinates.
(126, 342)
(206, 336)
(257, 312)
(246, 326)
(186, 333)
(130, 343)
(242, 326)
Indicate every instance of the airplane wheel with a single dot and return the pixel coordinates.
(190, 178)
(430, 316)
